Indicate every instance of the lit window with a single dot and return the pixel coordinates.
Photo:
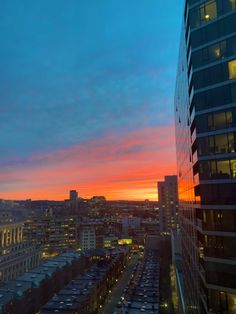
(219, 120)
(232, 69)
(217, 52)
(223, 168)
(233, 167)
(233, 4)
(229, 118)
(208, 11)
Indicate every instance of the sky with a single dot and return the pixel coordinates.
(86, 97)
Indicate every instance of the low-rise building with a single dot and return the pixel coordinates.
(87, 293)
(29, 292)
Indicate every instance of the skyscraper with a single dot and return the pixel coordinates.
(205, 111)
(168, 203)
(73, 195)
(73, 199)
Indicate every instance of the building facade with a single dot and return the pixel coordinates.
(168, 204)
(205, 118)
(91, 235)
(16, 255)
(87, 238)
(55, 234)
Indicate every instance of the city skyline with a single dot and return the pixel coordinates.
(118, 157)
(87, 98)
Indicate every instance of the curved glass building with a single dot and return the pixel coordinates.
(205, 118)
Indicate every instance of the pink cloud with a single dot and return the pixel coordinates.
(116, 166)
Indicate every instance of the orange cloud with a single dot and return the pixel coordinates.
(119, 167)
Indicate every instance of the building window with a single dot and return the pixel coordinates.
(232, 69)
(217, 169)
(223, 168)
(233, 4)
(218, 144)
(221, 143)
(231, 303)
(219, 120)
(208, 11)
(215, 121)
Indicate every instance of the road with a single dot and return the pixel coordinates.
(117, 291)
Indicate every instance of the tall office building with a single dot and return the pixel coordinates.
(73, 199)
(205, 110)
(168, 203)
(54, 233)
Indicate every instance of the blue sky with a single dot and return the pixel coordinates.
(80, 70)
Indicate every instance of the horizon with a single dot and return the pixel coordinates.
(62, 200)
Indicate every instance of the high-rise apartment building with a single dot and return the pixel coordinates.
(205, 111)
(168, 203)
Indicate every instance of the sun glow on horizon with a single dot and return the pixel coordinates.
(117, 167)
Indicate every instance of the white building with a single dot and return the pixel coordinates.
(87, 238)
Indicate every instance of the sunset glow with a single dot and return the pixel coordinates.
(119, 168)
(87, 98)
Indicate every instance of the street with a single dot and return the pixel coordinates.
(117, 291)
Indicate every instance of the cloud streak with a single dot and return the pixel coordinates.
(116, 166)
(86, 96)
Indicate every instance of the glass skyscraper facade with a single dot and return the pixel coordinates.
(205, 118)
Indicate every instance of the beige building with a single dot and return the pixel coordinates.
(16, 255)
